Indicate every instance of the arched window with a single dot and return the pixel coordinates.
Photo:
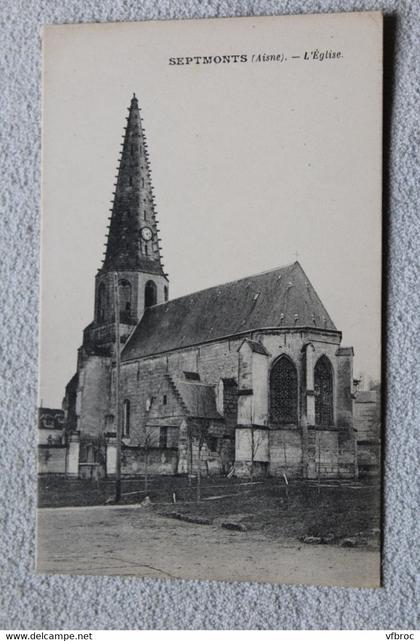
(101, 302)
(150, 294)
(124, 294)
(323, 387)
(166, 292)
(283, 391)
(126, 418)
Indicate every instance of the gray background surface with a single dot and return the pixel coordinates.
(31, 601)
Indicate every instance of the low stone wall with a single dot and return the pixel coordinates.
(52, 459)
(91, 471)
(160, 461)
(243, 469)
(369, 458)
(331, 454)
(322, 453)
(347, 454)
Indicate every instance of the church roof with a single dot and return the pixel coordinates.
(280, 298)
(133, 211)
(198, 399)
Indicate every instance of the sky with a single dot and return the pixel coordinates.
(254, 165)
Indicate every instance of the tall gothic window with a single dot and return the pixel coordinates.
(283, 391)
(150, 294)
(101, 302)
(126, 418)
(124, 291)
(323, 384)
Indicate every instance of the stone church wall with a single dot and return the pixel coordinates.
(347, 454)
(146, 379)
(291, 344)
(341, 360)
(331, 454)
(344, 384)
(286, 451)
(152, 399)
(93, 399)
(218, 360)
(294, 451)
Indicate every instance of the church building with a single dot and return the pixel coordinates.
(244, 378)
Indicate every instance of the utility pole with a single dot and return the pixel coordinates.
(117, 390)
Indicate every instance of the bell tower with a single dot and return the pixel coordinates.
(132, 258)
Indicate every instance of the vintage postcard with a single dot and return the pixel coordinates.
(210, 370)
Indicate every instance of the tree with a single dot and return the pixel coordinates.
(190, 455)
(146, 461)
(200, 442)
(197, 433)
(255, 441)
(148, 443)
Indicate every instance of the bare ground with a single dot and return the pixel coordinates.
(136, 541)
(331, 510)
(282, 534)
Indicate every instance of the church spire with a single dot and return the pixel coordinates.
(133, 242)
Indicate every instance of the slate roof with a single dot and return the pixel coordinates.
(282, 298)
(133, 205)
(198, 399)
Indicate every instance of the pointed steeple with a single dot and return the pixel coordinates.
(133, 242)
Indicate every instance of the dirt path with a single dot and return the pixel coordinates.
(132, 541)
